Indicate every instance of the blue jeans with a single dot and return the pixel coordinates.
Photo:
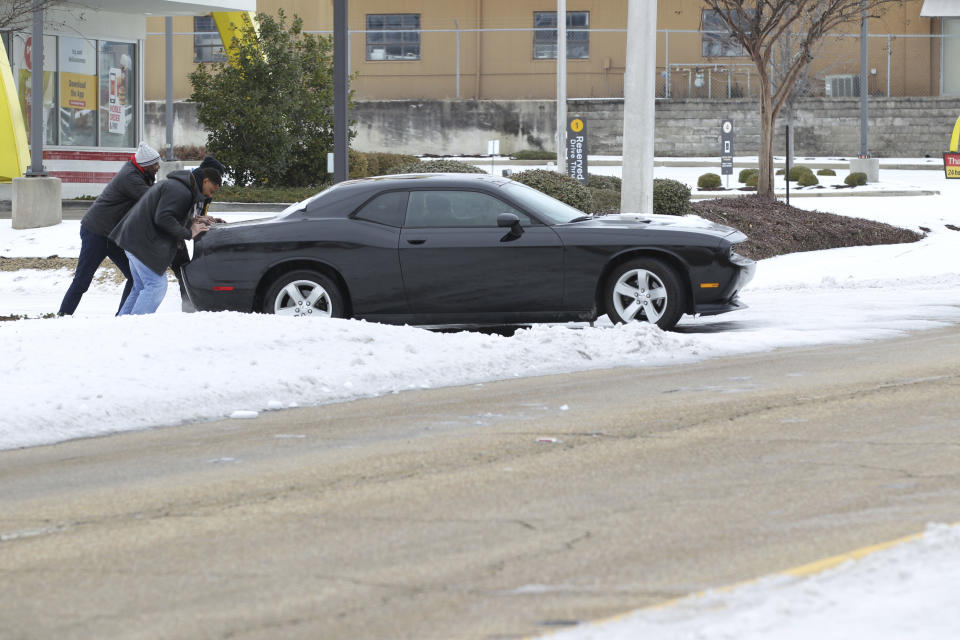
(93, 249)
(148, 289)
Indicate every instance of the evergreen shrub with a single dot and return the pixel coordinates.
(670, 197)
(559, 186)
(709, 181)
(856, 179)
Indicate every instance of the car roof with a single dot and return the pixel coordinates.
(420, 180)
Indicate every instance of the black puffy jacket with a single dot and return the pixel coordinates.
(124, 190)
(160, 220)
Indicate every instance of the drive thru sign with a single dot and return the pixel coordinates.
(726, 148)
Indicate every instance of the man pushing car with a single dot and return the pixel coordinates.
(151, 232)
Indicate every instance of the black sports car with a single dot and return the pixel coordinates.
(447, 249)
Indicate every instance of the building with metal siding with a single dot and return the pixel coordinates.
(501, 49)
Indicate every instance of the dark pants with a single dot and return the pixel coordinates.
(181, 258)
(93, 249)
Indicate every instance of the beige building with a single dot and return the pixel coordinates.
(506, 49)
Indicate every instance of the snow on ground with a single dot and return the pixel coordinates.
(92, 374)
(907, 591)
(842, 295)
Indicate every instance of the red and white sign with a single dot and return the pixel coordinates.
(114, 108)
(951, 164)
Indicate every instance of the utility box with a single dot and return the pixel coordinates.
(35, 202)
(869, 166)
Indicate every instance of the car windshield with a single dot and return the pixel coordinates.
(540, 204)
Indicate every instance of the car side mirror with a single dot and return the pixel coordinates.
(510, 220)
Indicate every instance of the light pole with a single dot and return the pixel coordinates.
(340, 138)
(561, 86)
(639, 80)
(36, 169)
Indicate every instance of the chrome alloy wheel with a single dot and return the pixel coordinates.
(639, 295)
(303, 299)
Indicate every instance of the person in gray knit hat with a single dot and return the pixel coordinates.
(133, 180)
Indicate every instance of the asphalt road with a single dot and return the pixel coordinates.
(488, 511)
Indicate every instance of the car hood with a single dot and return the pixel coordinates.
(655, 221)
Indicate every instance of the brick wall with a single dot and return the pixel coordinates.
(899, 127)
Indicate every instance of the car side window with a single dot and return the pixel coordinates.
(434, 209)
(387, 208)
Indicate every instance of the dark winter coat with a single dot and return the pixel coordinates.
(124, 190)
(160, 220)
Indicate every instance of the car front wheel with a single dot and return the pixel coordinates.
(304, 294)
(645, 290)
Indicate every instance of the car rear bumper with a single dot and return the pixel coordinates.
(207, 295)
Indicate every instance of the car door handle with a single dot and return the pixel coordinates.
(412, 241)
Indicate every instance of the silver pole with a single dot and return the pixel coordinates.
(666, 60)
(864, 89)
(168, 41)
(36, 91)
(561, 86)
(889, 53)
(457, 25)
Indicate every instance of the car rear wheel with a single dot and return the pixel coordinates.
(304, 294)
(645, 290)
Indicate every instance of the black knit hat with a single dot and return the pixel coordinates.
(212, 163)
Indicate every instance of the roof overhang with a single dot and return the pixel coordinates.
(167, 7)
(940, 9)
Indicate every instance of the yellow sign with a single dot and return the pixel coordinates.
(576, 125)
(231, 25)
(78, 91)
(955, 138)
(15, 155)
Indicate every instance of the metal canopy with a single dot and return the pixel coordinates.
(940, 9)
(167, 7)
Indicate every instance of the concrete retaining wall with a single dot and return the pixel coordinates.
(899, 127)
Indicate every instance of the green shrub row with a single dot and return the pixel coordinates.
(601, 194)
(534, 154)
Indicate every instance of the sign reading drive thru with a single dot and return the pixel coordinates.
(726, 148)
(577, 149)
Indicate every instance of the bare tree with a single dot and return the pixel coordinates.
(18, 14)
(760, 25)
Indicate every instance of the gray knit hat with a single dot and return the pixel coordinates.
(146, 155)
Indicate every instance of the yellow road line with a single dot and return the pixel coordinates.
(802, 571)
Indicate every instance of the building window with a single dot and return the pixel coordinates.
(393, 36)
(716, 39)
(78, 92)
(20, 52)
(118, 88)
(545, 35)
(207, 46)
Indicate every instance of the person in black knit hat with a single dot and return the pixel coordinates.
(183, 257)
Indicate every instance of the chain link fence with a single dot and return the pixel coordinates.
(520, 63)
